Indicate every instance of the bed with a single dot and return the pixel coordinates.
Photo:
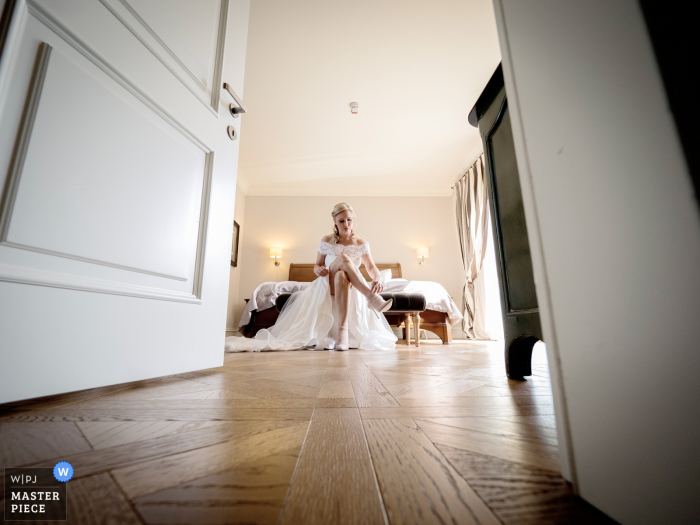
(442, 313)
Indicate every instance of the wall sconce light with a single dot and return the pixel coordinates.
(422, 254)
(276, 254)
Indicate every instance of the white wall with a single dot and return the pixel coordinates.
(615, 233)
(235, 309)
(394, 227)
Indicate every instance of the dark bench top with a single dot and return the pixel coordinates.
(403, 302)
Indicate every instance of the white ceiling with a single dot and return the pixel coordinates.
(416, 68)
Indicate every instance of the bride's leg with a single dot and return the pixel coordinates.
(342, 301)
(342, 296)
(374, 301)
(353, 274)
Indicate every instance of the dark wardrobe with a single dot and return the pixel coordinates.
(521, 319)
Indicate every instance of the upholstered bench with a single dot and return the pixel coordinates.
(406, 305)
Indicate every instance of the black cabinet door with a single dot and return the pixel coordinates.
(521, 320)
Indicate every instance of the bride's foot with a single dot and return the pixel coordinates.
(342, 343)
(376, 303)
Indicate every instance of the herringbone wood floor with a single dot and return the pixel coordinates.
(430, 435)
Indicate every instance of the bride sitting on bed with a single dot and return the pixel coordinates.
(339, 310)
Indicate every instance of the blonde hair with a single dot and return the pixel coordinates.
(337, 209)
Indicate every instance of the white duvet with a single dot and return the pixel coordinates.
(266, 294)
(436, 296)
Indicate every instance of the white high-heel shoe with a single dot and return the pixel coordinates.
(342, 343)
(379, 305)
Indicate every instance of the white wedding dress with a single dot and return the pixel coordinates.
(309, 319)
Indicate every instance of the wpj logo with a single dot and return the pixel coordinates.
(37, 494)
(22, 479)
(63, 471)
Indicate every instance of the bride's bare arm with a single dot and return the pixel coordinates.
(319, 268)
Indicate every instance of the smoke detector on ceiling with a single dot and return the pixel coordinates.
(354, 106)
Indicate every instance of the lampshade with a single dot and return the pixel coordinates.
(423, 252)
(276, 253)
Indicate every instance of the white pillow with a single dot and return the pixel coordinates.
(384, 276)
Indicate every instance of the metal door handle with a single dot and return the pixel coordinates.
(235, 110)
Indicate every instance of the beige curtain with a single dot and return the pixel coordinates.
(471, 208)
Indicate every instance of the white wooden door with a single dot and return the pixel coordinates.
(118, 180)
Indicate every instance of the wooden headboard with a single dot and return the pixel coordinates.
(304, 273)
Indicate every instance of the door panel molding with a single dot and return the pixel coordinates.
(203, 227)
(43, 213)
(20, 154)
(46, 277)
(131, 19)
(40, 277)
(94, 57)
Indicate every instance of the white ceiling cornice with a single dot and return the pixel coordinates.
(304, 191)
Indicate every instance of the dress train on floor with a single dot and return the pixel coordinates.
(309, 319)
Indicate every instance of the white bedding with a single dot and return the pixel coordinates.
(436, 296)
(266, 294)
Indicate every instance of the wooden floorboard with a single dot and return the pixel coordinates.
(136, 453)
(23, 443)
(488, 425)
(156, 474)
(520, 494)
(146, 413)
(451, 411)
(252, 492)
(436, 434)
(106, 434)
(508, 447)
(418, 485)
(369, 391)
(98, 499)
(336, 389)
(334, 482)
